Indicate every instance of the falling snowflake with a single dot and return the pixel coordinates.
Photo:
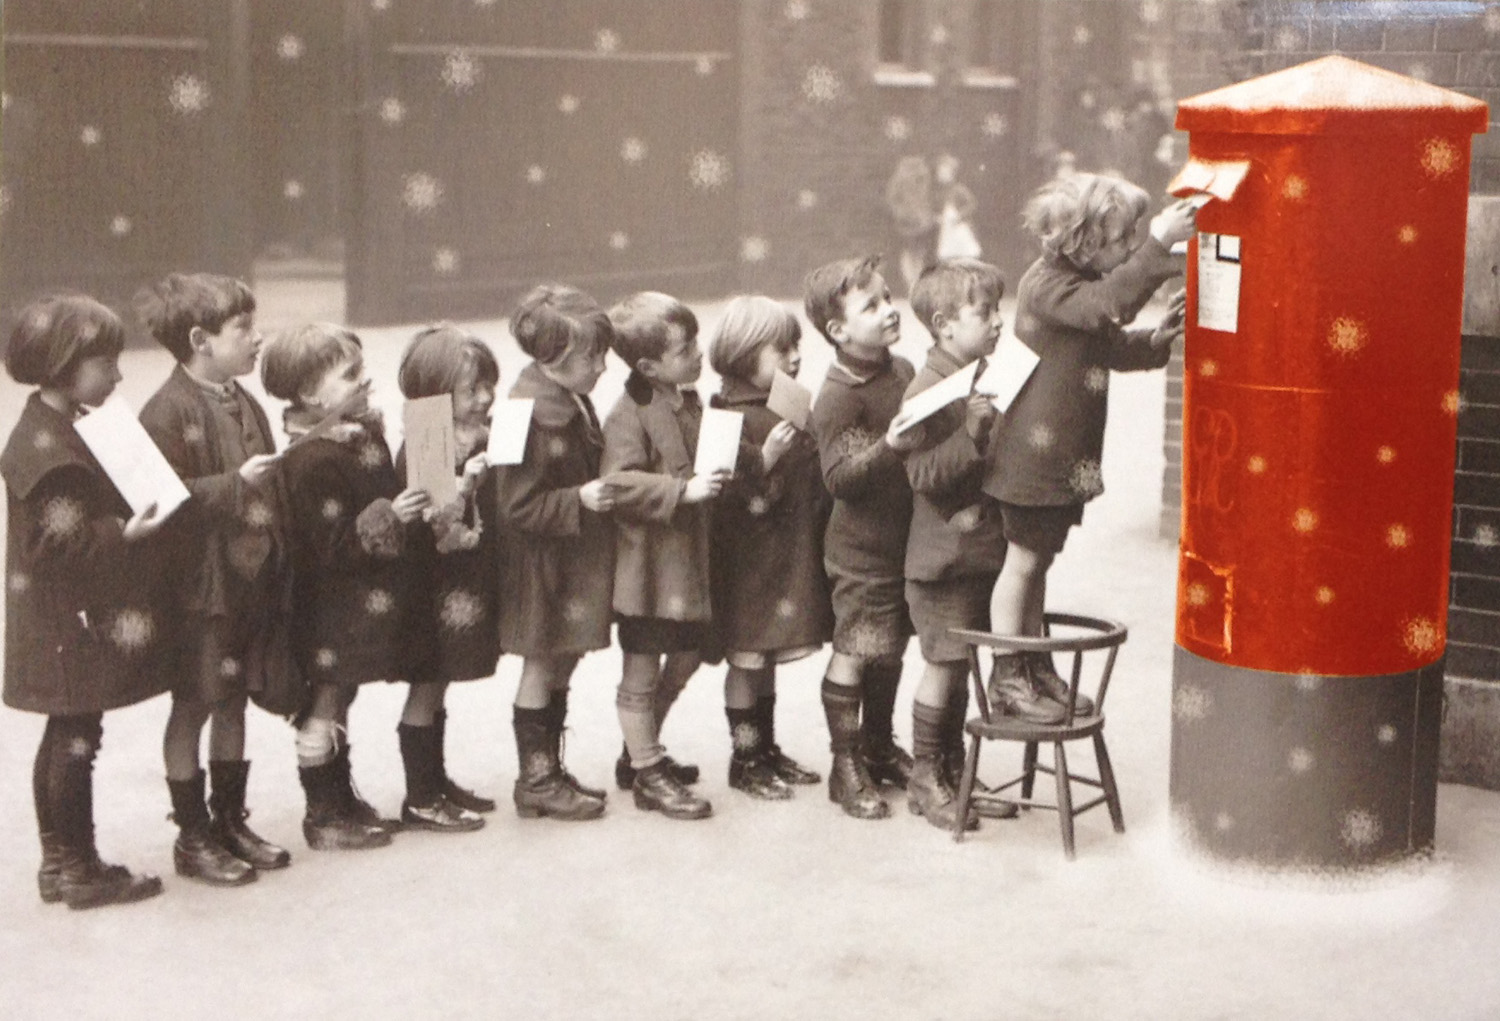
(745, 737)
(293, 190)
(1096, 379)
(709, 170)
(62, 516)
(536, 174)
(1256, 465)
(557, 447)
(90, 136)
(807, 198)
(606, 40)
(994, 125)
(1288, 38)
(229, 667)
(1305, 520)
(131, 630)
(1294, 188)
(120, 225)
(754, 249)
(372, 456)
(1081, 35)
(865, 638)
(461, 610)
(1113, 120)
(257, 515)
(1360, 828)
(821, 84)
(1307, 681)
(325, 659)
(1223, 822)
(1150, 12)
(1386, 734)
(461, 72)
(445, 261)
(421, 192)
(632, 150)
(80, 748)
(1439, 157)
(332, 509)
(1347, 335)
(1323, 595)
(676, 607)
(619, 241)
(576, 611)
(1191, 704)
(1086, 479)
(188, 95)
(44, 440)
(290, 47)
(1487, 536)
(1453, 402)
(704, 66)
(1398, 537)
(1299, 760)
(795, 10)
(1385, 455)
(1421, 636)
(786, 609)
(392, 110)
(1421, 72)
(379, 602)
(1197, 594)
(19, 582)
(897, 128)
(568, 103)
(757, 505)
(539, 764)
(1407, 235)
(1208, 368)
(1040, 436)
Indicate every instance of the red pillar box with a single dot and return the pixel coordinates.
(1325, 291)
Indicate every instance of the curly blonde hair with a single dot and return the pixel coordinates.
(1075, 216)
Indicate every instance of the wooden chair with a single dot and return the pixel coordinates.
(1082, 634)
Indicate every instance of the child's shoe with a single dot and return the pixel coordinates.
(657, 790)
(86, 882)
(352, 803)
(1045, 677)
(226, 804)
(541, 790)
(460, 796)
(888, 764)
(196, 854)
(442, 816)
(686, 774)
(929, 795)
(851, 788)
(327, 826)
(49, 875)
(789, 769)
(758, 778)
(1012, 692)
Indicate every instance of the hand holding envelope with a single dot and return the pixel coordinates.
(136, 466)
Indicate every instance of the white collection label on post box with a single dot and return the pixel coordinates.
(1219, 282)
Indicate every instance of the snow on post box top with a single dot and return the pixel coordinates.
(1331, 95)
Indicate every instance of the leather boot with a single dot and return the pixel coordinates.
(888, 762)
(460, 796)
(686, 774)
(327, 826)
(750, 770)
(928, 794)
(197, 854)
(984, 802)
(850, 785)
(1012, 693)
(226, 804)
(352, 803)
(657, 790)
(425, 807)
(1045, 678)
(49, 875)
(541, 790)
(557, 722)
(83, 881)
(787, 768)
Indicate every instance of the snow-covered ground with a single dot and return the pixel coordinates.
(768, 910)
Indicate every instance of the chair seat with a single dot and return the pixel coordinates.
(1012, 728)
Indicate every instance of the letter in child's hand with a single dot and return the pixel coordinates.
(134, 463)
(510, 422)
(718, 441)
(431, 447)
(789, 400)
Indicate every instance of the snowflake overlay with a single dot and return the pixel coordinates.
(1086, 479)
(121, 225)
(1256, 465)
(1323, 595)
(1197, 594)
(1407, 235)
(632, 150)
(994, 125)
(332, 509)
(897, 128)
(786, 609)
(1294, 188)
(445, 261)
(619, 241)
(90, 136)
(1359, 829)
(1398, 536)
(1299, 760)
(61, 517)
(745, 737)
(536, 174)
(568, 103)
(293, 190)
(392, 110)
(229, 667)
(461, 71)
(606, 40)
(709, 170)
(1386, 734)
(1096, 379)
(821, 84)
(1385, 455)
(754, 249)
(461, 610)
(379, 602)
(290, 47)
(19, 582)
(1305, 520)
(807, 199)
(188, 95)
(795, 10)
(1346, 335)
(325, 659)
(371, 456)
(1041, 436)
(1191, 704)
(421, 192)
(1421, 636)
(1487, 536)
(1440, 157)
(131, 630)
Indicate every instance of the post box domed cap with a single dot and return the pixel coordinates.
(1332, 95)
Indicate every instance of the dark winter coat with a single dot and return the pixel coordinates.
(88, 621)
(661, 543)
(1049, 451)
(557, 558)
(770, 590)
(357, 616)
(872, 499)
(956, 530)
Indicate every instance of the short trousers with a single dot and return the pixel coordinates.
(658, 635)
(937, 606)
(746, 660)
(870, 616)
(1040, 529)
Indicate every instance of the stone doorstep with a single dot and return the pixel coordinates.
(1469, 750)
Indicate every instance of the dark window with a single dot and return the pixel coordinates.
(898, 33)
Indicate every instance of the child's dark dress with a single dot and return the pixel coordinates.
(88, 621)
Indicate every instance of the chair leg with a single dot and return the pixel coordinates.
(1064, 797)
(966, 787)
(1107, 780)
(1028, 770)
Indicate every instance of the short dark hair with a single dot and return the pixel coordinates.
(553, 319)
(824, 288)
(435, 359)
(949, 284)
(299, 356)
(171, 307)
(642, 324)
(54, 333)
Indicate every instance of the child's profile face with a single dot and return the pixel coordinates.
(870, 321)
(681, 363)
(973, 331)
(473, 396)
(230, 352)
(344, 381)
(94, 380)
(579, 369)
(1118, 244)
(770, 358)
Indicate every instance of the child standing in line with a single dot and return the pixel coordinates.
(661, 596)
(957, 544)
(228, 551)
(770, 591)
(86, 616)
(865, 543)
(558, 556)
(1073, 304)
(458, 568)
(353, 604)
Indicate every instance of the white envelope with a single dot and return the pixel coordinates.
(790, 400)
(935, 398)
(718, 441)
(134, 463)
(510, 423)
(431, 447)
(1009, 368)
